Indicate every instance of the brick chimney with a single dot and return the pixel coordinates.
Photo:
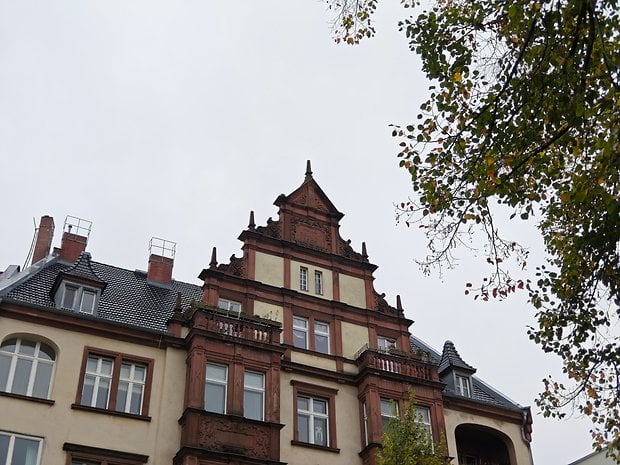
(161, 260)
(45, 234)
(74, 238)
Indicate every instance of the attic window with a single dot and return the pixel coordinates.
(77, 298)
(463, 385)
(230, 305)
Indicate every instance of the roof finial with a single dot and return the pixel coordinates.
(213, 262)
(252, 224)
(178, 307)
(308, 170)
(364, 253)
(399, 305)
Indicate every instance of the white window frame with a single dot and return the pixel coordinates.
(11, 446)
(318, 282)
(131, 382)
(229, 305)
(254, 389)
(98, 375)
(312, 415)
(216, 382)
(303, 278)
(35, 360)
(77, 304)
(384, 344)
(422, 413)
(299, 329)
(462, 385)
(389, 410)
(321, 333)
(365, 422)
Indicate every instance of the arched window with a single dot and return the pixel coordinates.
(26, 367)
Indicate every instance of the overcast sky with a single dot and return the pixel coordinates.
(175, 119)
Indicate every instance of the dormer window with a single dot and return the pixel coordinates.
(71, 296)
(463, 385)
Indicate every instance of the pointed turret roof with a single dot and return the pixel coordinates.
(450, 358)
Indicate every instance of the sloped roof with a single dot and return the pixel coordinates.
(450, 358)
(481, 391)
(129, 297)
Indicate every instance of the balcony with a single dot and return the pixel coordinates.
(229, 324)
(407, 364)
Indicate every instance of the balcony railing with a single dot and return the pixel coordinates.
(405, 364)
(241, 326)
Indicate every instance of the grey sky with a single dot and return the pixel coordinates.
(175, 119)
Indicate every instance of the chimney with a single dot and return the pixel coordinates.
(74, 238)
(161, 260)
(45, 234)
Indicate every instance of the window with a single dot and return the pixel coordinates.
(365, 422)
(303, 278)
(389, 410)
(16, 449)
(300, 332)
(77, 298)
(318, 282)
(254, 395)
(216, 387)
(423, 415)
(462, 385)
(312, 420)
(384, 344)
(229, 305)
(26, 368)
(321, 337)
(314, 415)
(115, 382)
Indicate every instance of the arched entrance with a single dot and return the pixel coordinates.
(481, 445)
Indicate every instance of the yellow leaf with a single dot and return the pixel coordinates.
(457, 77)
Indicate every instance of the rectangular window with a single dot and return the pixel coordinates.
(254, 395)
(462, 386)
(312, 420)
(79, 454)
(116, 382)
(16, 449)
(303, 278)
(321, 337)
(69, 296)
(300, 332)
(230, 305)
(318, 282)
(216, 387)
(423, 415)
(389, 410)
(88, 301)
(365, 422)
(384, 344)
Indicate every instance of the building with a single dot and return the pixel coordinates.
(286, 354)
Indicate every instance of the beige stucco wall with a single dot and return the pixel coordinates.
(328, 283)
(354, 337)
(352, 290)
(313, 360)
(269, 269)
(348, 437)
(595, 458)
(454, 418)
(59, 423)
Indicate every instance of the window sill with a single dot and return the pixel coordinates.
(110, 412)
(315, 446)
(30, 398)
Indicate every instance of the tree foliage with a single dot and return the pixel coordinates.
(524, 116)
(407, 442)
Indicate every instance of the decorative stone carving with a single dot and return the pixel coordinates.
(311, 233)
(238, 437)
